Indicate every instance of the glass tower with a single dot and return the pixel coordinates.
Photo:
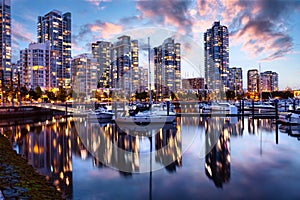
(216, 58)
(5, 38)
(56, 28)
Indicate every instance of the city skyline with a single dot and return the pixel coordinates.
(256, 29)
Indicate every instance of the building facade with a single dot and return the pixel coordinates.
(143, 79)
(167, 68)
(5, 39)
(216, 58)
(236, 80)
(84, 75)
(56, 28)
(125, 64)
(253, 83)
(35, 62)
(269, 81)
(102, 52)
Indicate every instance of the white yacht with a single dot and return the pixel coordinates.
(155, 115)
(103, 113)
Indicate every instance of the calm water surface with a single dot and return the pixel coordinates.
(205, 158)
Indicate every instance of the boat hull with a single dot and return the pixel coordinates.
(146, 119)
(104, 115)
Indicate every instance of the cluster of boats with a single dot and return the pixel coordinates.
(164, 112)
(291, 117)
(139, 114)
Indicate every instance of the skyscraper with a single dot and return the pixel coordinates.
(269, 81)
(216, 57)
(253, 82)
(5, 38)
(56, 28)
(167, 68)
(125, 64)
(102, 52)
(236, 80)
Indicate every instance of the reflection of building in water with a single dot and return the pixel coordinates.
(265, 124)
(47, 147)
(109, 145)
(235, 126)
(122, 148)
(168, 148)
(217, 161)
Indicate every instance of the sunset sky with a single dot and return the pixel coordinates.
(265, 32)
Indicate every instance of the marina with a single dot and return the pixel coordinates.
(88, 158)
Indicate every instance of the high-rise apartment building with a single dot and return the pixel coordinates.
(143, 79)
(235, 79)
(35, 62)
(253, 82)
(216, 58)
(102, 52)
(56, 28)
(167, 68)
(125, 64)
(84, 74)
(135, 65)
(5, 39)
(269, 81)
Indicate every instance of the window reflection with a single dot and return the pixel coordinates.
(217, 160)
(47, 147)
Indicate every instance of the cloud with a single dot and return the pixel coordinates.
(97, 30)
(172, 13)
(260, 26)
(97, 2)
(19, 33)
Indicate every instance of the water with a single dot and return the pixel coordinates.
(196, 158)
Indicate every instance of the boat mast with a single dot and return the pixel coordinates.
(260, 83)
(149, 73)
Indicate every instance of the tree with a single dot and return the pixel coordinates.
(62, 94)
(38, 91)
(230, 95)
(174, 96)
(23, 91)
(32, 94)
(50, 95)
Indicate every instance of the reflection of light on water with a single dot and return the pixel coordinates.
(83, 154)
(144, 145)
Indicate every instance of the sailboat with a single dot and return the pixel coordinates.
(158, 116)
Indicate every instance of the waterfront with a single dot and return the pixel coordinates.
(250, 159)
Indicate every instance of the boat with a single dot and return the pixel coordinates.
(103, 113)
(220, 107)
(291, 118)
(148, 117)
(261, 108)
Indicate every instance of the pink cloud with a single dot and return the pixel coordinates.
(106, 29)
(96, 2)
(21, 34)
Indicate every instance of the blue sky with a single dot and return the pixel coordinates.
(265, 32)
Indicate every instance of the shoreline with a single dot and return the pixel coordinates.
(18, 179)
